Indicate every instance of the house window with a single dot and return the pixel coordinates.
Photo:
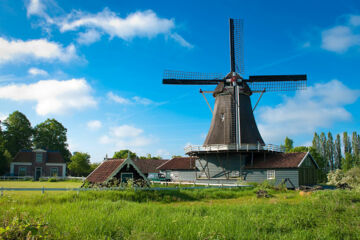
(22, 171)
(126, 176)
(270, 174)
(54, 172)
(39, 157)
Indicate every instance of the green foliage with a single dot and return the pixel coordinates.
(289, 144)
(80, 164)
(348, 161)
(5, 159)
(148, 156)
(347, 143)
(337, 152)
(123, 154)
(17, 133)
(23, 226)
(51, 135)
(350, 177)
(299, 149)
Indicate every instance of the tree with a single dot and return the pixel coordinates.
(355, 143)
(316, 142)
(289, 144)
(322, 144)
(347, 143)
(347, 162)
(17, 133)
(80, 164)
(337, 152)
(123, 154)
(51, 135)
(148, 156)
(299, 149)
(330, 149)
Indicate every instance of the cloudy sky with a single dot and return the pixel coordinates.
(96, 66)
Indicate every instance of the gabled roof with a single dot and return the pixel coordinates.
(109, 168)
(29, 156)
(149, 165)
(104, 170)
(181, 163)
(279, 160)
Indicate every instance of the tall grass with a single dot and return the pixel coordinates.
(191, 214)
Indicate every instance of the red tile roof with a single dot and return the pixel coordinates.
(149, 165)
(106, 168)
(277, 160)
(182, 163)
(50, 157)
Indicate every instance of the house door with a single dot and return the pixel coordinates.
(37, 173)
(126, 176)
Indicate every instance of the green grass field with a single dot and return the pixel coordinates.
(182, 214)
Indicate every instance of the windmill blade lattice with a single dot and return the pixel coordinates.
(275, 83)
(236, 45)
(191, 78)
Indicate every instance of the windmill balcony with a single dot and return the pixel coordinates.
(233, 148)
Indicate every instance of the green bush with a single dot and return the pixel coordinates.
(53, 179)
(23, 226)
(351, 177)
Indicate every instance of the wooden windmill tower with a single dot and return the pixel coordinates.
(233, 137)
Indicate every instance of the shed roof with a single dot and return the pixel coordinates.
(179, 163)
(104, 170)
(278, 160)
(149, 165)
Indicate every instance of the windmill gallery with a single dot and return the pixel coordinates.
(234, 148)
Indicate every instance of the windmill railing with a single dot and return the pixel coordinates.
(234, 147)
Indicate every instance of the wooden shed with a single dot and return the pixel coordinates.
(120, 169)
(296, 168)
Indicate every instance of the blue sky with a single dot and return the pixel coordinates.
(97, 68)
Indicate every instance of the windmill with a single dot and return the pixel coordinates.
(233, 132)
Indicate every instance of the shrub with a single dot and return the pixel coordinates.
(23, 226)
(52, 179)
(350, 178)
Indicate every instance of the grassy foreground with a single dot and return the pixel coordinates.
(183, 214)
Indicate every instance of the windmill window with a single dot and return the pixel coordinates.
(39, 157)
(270, 174)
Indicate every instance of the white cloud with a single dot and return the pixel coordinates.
(35, 7)
(88, 37)
(52, 96)
(137, 24)
(125, 137)
(341, 38)
(321, 105)
(38, 49)
(181, 40)
(37, 72)
(3, 116)
(143, 24)
(94, 124)
(127, 101)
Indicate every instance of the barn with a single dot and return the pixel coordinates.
(120, 169)
(295, 169)
(180, 169)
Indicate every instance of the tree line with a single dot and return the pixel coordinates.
(330, 152)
